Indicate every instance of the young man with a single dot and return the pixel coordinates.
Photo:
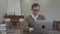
(30, 20)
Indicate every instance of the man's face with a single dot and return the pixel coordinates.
(36, 10)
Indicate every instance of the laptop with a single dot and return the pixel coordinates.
(42, 25)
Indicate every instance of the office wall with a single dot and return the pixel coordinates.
(49, 8)
(3, 7)
(13, 6)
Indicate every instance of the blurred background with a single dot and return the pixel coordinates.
(49, 8)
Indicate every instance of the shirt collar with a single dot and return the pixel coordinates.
(34, 17)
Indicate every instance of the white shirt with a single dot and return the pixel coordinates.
(34, 17)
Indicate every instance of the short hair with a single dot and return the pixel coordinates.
(35, 5)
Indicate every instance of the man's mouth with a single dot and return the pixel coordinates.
(35, 10)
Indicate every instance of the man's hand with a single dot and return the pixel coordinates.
(31, 29)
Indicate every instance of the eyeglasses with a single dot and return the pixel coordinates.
(35, 10)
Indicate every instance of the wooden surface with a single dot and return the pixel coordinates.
(26, 33)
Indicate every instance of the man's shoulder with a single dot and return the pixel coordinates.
(41, 15)
(28, 16)
(38, 15)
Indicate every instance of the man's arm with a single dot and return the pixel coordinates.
(27, 27)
